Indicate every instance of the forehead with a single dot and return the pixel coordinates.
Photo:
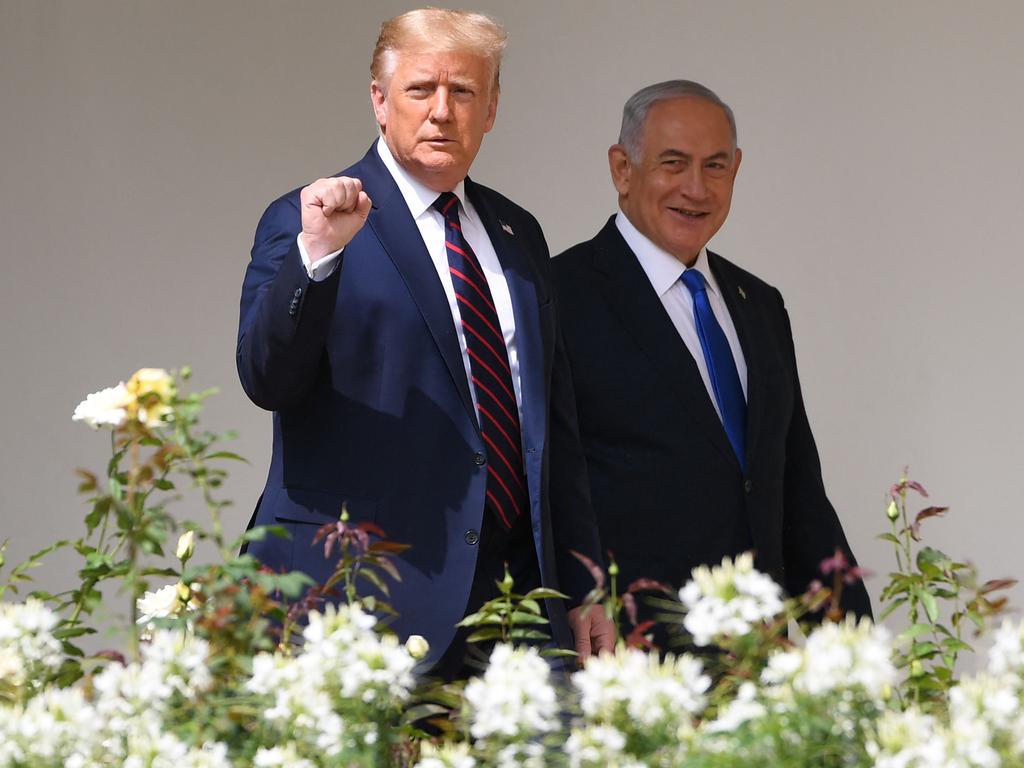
(461, 64)
(690, 125)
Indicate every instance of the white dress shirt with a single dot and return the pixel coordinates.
(420, 200)
(664, 271)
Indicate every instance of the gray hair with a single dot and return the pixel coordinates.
(634, 113)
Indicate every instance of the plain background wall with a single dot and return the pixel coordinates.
(881, 188)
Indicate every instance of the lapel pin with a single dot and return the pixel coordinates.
(742, 293)
(507, 228)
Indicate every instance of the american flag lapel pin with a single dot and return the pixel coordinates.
(742, 293)
(507, 228)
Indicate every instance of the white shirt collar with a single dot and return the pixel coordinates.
(417, 195)
(662, 268)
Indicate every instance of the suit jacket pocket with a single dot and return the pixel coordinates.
(306, 505)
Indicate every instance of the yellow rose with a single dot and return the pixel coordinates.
(153, 390)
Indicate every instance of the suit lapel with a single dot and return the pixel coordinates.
(630, 295)
(397, 232)
(743, 317)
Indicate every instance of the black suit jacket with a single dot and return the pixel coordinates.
(668, 491)
(372, 406)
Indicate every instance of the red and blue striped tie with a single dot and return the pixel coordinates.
(490, 372)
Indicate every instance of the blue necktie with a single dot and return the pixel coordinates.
(490, 372)
(725, 380)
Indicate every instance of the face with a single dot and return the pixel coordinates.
(434, 112)
(678, 191)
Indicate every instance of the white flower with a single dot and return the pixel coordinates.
(840, 656)
(638, 690)
(27, 645)
(598, 746)
(740, 710)
(1006, 656)
(728, 600)
(910, 739)
(186, 546)
(522, 755)
(164, 602)
(280, 757)
(417, 646)
(106, 408)
(514, 697)
(445, 756)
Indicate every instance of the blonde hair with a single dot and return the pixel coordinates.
(437, 29)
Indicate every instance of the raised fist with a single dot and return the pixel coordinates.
(333, 211)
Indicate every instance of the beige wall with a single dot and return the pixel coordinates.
(881, 189)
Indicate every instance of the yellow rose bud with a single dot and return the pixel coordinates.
(916, 668)
(186, 546)
(892, 511)
(417, 646)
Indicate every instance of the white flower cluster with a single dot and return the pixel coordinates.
(837, 656)
(343, 661)
(728, 600)
(513, 698)
(909, 739)
(599, 746)
(445, 756)
(122, 724)
(28, 648)
(1006, 656)
(631, 686)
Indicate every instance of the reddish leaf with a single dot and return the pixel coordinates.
(924, 514)
(637, 638)
(916, 486)
(993, 585)
(629, 603)
(649, 584)
(835, 563)
(595, 571)
(372, 528)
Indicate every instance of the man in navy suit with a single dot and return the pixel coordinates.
(397, 319)
(690, 411)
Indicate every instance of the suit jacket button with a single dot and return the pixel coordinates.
(747, 485)
(471, 537)
(479, 459)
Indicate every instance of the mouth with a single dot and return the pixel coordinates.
(689, 213)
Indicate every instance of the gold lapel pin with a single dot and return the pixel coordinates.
(742, 293)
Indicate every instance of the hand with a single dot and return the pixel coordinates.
(594, 632)
(333, 211)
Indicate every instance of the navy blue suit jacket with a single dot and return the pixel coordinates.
(669, 493)
(372, 407)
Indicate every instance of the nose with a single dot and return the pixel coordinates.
(439, 108)
(692, 183)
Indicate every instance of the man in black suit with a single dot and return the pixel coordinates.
(690, 412)
(397, 319)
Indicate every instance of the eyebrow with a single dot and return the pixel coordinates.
(721, 155)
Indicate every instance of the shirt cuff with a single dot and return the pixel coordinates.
(324, 268)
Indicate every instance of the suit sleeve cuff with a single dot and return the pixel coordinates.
(323, 268)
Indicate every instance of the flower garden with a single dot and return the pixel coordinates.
(227, 664)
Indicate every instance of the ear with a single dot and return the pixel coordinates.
(492, 109)
(736, 164)
(620, 166)
(378, 97)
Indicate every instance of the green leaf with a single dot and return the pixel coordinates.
(931, 607)
(914, 630)
(527, 634)
(484, 634)
(542, 593)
